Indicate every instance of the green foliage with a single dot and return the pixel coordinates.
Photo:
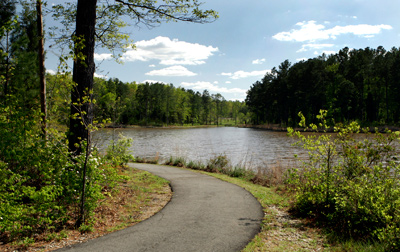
(195, 165)
(237, 172)
(118, 153)
(353, 84)
(85, 228)
(56, 236)
(30, 175)
(40, 183)
(218, 163)
(177, 161)
(350, 184)
(111, 16)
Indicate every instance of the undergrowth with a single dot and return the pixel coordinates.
(350, 186)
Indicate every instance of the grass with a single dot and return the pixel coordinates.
(280, 230)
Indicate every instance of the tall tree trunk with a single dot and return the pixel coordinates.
(81, 94)
(83, 71)
(41, 66)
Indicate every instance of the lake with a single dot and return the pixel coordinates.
(252, 148)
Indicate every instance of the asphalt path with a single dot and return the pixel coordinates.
(204, 214)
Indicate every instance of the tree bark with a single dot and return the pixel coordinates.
(81, 94)
(42, 70)
(83, 71)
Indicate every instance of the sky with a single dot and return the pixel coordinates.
(249, 39)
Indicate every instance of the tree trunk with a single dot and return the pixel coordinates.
(83, 71)
(42, 73)
(81, 93)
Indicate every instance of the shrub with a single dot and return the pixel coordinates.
(218, 164)
(237, 172)
(40, 181)
(118, 153)
(351, 185)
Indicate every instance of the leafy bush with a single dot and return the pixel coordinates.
(219, 163)
(237, 172)
(118, 152)
(32, 189)
(40, 181)
(350, 184)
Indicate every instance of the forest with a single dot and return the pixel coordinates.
(161, 104)
(352, 85)
(148, 104)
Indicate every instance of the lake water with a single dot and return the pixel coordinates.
(252, 148)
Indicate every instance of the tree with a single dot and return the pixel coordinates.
(7, 12)
(42, 71)
(83, 72)
(149, 13)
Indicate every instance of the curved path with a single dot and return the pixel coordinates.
(204, 214)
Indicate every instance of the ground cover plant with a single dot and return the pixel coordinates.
(41, 181)
(350, 186)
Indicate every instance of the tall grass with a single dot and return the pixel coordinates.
(273, 175)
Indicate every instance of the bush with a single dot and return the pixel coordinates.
(218, 164)
(350, 185)
(118, 153)
(40, 181)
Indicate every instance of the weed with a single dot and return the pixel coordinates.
(176, 161)
(85, 228)
(25, 242)
(56, 236)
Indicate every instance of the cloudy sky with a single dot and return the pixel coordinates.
(250, 37)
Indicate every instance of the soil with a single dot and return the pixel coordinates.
(122, 210)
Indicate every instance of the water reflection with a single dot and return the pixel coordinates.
(251, 147)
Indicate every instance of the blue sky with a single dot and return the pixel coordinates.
(248, 40)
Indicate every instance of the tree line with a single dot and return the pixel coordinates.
(162, 104)
(353, 84)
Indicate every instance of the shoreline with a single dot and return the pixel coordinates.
(268, 127)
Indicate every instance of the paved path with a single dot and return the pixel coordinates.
(204, 214)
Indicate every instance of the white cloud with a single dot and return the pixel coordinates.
(103, 56)
(50, 71)
(258, 61)
(100, 76)
(169, 52)
(311, 31)
(152, 65)
(226, 74)
(228, 82)
(172, 71)
(202, 85)
(242, 74)
(307, 47)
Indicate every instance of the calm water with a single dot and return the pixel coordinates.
(250, 147)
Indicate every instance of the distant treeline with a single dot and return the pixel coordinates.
(362, 85)
(162, 104)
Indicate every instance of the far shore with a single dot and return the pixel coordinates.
(161, 126)
(270, 127)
